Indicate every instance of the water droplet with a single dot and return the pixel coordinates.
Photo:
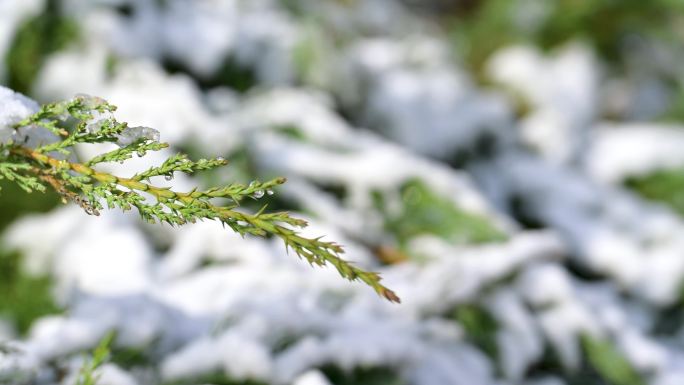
(141, 153)
(132, 134)
(221, 159)
(269, 192)
(168, 177)
(258, 194)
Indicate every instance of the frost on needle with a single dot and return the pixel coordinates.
(85, 119)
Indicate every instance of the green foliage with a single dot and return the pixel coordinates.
(131, 357)
(127, 357)
(480, 328)
(670, 318)
(611, 27)
(88, 374)
(23, 297)
(612, 366)
(230, 74)
(481, 31)
(605, 24)
(214, 379)
(362, 376)
(34, 41)
(85, 120)
(15, 172)
(291, 132)
(13, 203)
(665, 186)
(601, 364)
(425, 212)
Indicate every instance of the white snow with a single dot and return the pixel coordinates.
(201, 300)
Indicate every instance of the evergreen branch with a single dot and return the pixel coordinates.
(125, 153)
(34, 169)
(180, 162)
(12, 172)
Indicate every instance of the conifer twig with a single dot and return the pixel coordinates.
(89, 120)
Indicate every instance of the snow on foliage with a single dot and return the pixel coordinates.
(378, 129)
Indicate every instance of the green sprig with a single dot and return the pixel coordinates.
(89, 120)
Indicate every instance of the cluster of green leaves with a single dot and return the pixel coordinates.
(217, 378)
(230, 73)
(426, 212)
(480, 327)
(665, 186)
(609, 363)
(87, 120)
(37, 38)
(602, 364)
(371, 375)
(12, 206)
(487, 25)
(25, 297)
(481, 27)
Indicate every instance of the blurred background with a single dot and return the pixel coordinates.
(513, 168)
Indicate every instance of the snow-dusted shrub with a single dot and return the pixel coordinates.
(501, 218)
